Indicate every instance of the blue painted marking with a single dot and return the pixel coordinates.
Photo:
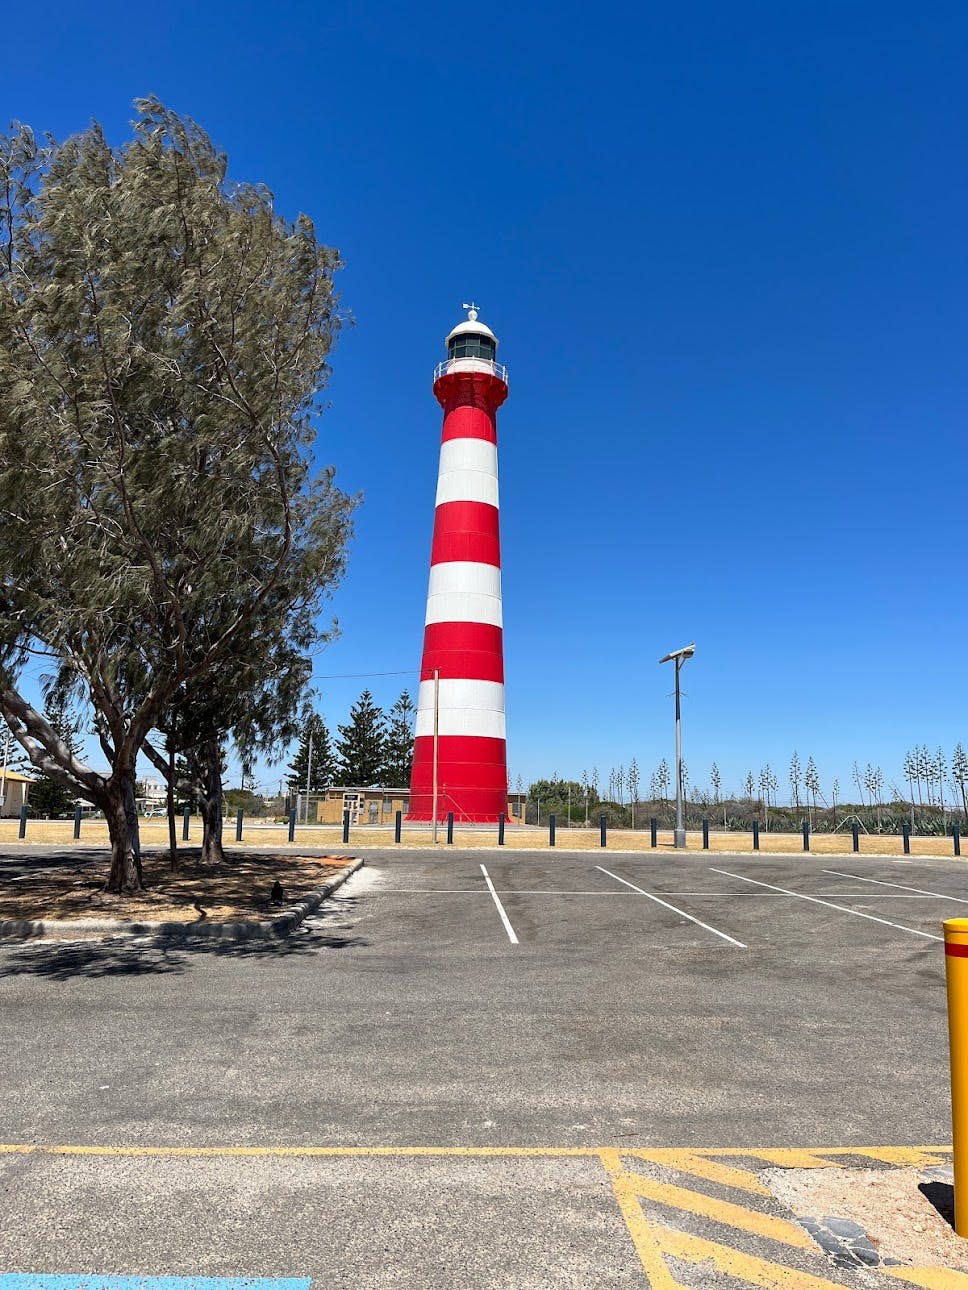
(39, 1281)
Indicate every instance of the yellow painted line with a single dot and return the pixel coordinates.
(720, 1211)
(702, 1166)
(641, 1231)
(286, 1152)
(899, 1155)
(745, 1267)
(792, 1158)
(929, 1278)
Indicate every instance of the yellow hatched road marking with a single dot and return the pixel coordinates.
(747, 1267)
(701, 1166)
(642, 1232)
(720, 1211)
(929, 1278)
(791, 1158)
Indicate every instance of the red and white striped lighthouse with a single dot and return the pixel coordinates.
(460, 750)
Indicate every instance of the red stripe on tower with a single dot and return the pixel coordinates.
(460, 750)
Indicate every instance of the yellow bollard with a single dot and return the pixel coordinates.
(956, 975)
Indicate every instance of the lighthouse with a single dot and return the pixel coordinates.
(460, 750)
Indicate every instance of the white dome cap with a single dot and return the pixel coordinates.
(471, 327)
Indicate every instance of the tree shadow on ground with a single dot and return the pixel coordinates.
(162, 955)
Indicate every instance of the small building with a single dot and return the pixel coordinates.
(378, 805)
(14, 789)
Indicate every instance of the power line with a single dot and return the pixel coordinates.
(355, 676)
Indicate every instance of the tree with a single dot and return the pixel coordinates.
(766, 782)
(911, 775)
(940, 769)
(748, 785)
(663, 778)
(399, 745)
(633, 786)
(163, 340)
(811, 782)
(795, 781)
(959, 773)
(48, 797)
(361, 747)
(313, 766)
(717, 782)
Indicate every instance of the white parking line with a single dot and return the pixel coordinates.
(830, 905)
(674, 908)
(902, 886)
(500, 908)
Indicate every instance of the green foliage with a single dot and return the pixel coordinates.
(164, 336)
(320, 772)
(48, 798)
(361, 747)
(399, 742)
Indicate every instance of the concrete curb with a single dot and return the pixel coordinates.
(17, 929)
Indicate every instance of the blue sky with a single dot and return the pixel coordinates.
(724, 249)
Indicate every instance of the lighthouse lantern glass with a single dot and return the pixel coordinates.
(471, 346)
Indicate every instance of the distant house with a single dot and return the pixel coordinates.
(13, 793)
(375, 805)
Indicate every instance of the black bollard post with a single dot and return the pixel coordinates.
(77, 822)
(397, 825)
(23, 821)
(653, 831)
(855, 829)
(806, 835)
(500, 830)
(705, 833)
(292, 825)
(450, 828)
(756, 835)
(906, 833)
(346, 826)
(551, 830)
(956, 839)
(603, 828)
(186, 821)
(238, 825)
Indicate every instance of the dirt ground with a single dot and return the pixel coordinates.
(893, 1206)
(259, 835)
(239, 890)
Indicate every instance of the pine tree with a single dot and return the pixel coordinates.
(399, 742)
(47, 797)
(320, 774)
(361, 747)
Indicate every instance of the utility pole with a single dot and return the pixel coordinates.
(678, 657)
(436, 743)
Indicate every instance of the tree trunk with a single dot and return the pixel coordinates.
(122, 816)
(211, 778)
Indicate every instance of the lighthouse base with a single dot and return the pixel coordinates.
(472, 779)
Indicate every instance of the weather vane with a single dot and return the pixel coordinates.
(471, 311)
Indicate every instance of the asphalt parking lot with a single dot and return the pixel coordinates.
(445, 1052)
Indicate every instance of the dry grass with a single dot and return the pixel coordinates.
(260, 836)
(238, 890)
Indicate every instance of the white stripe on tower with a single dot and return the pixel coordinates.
(468, 472)
(464, 592)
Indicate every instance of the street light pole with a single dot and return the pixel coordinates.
(678, 657)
